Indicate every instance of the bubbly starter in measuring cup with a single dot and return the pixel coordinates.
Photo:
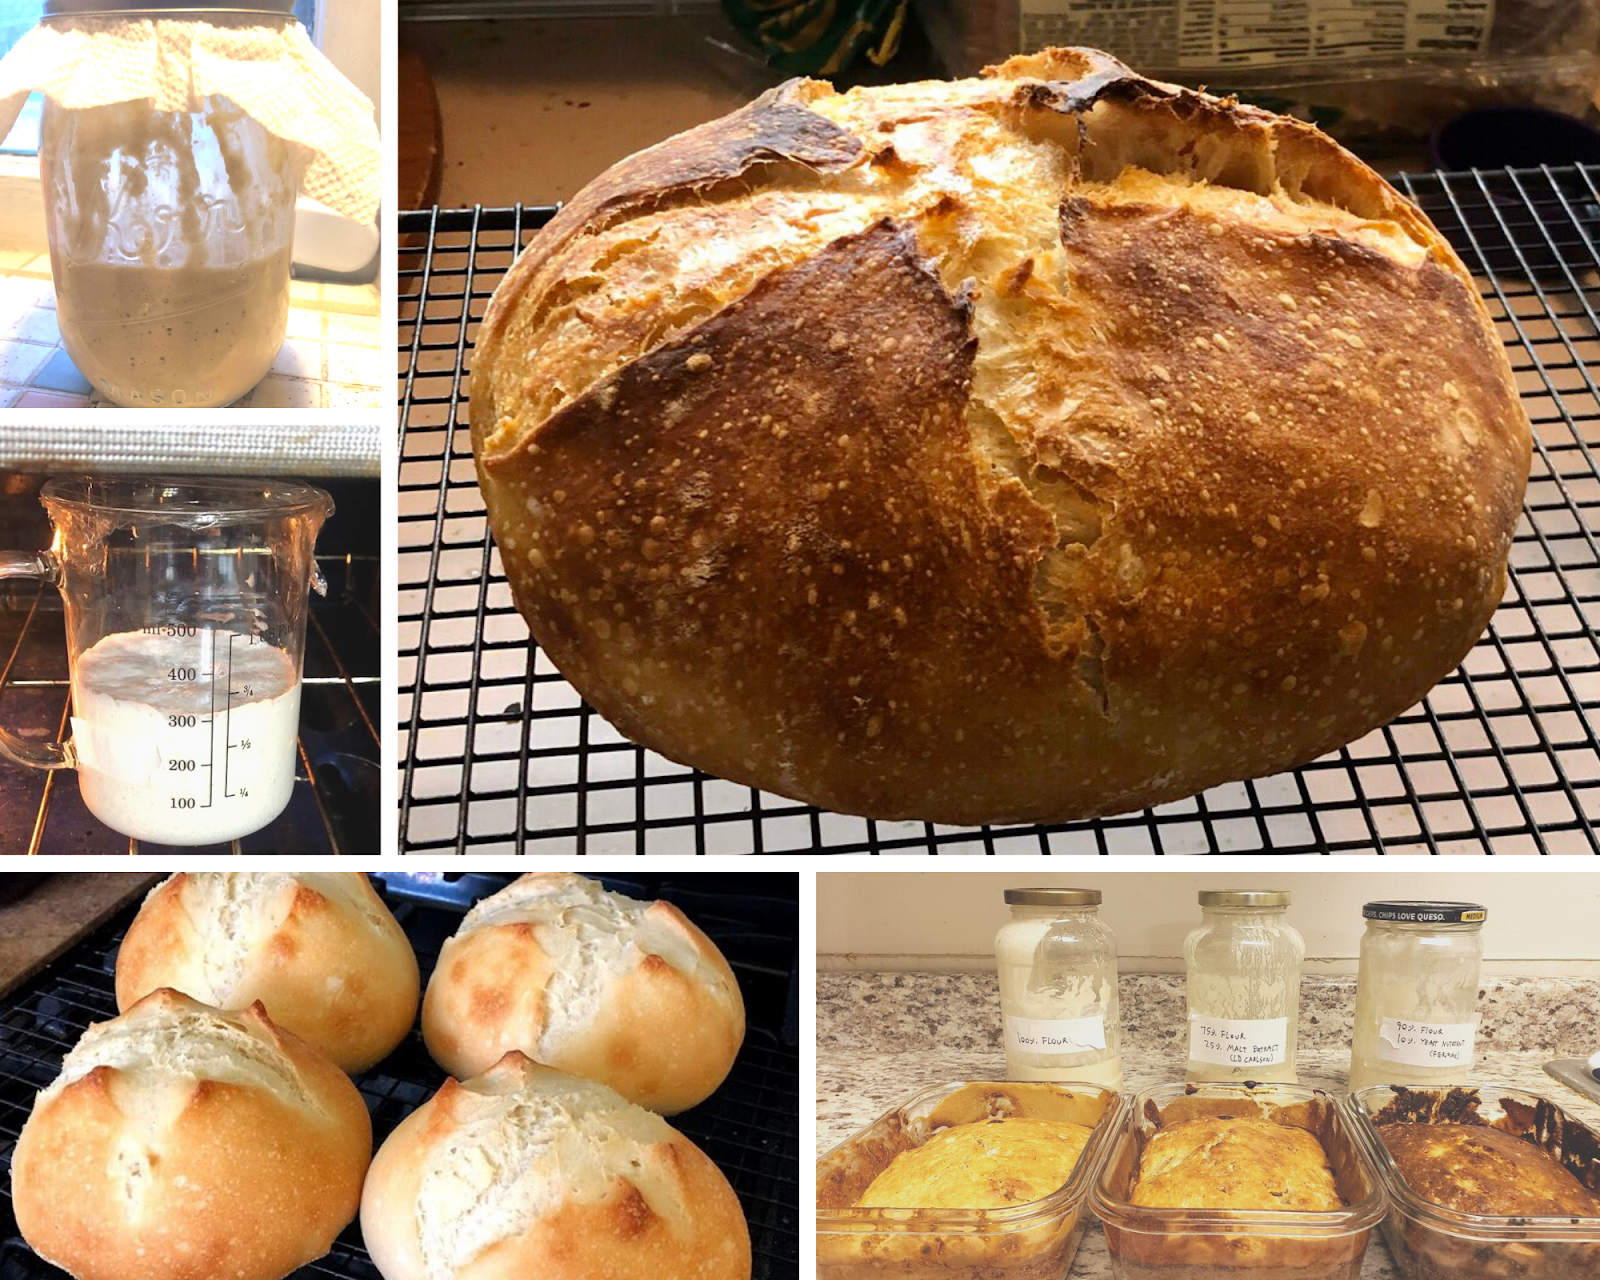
(185, 739)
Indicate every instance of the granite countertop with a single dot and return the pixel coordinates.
(882, 1036)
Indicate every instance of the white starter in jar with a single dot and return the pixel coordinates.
(1416, 1017)
(1242, 968)
(186, 739)
(1058, 988)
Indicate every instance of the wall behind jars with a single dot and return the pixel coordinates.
(1539, 921)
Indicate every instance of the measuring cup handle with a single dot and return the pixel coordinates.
(40, 566)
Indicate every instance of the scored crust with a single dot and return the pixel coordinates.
(320, 950)
(650, 1007)
(191, 1145)
(522, 1171)
(1031, 447)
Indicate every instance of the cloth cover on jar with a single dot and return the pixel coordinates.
(269, 69)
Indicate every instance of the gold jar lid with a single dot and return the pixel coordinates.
(1244, 897)
(1053, 897)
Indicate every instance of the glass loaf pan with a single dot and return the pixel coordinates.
(1430, 1242)
(1034, 1241)
(1148, 1243)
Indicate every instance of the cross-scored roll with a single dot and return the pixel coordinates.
(525, 1172)
(180, 1142)
(319, 949)
(593, 983)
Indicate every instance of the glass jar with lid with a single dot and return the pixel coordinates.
(170, 232)
(1058, 988)
(1242, 969)
(1417, 994)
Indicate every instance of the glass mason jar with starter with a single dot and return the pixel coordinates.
(1058, 988)
(175, 139)
(170, 232)
(1417, 994)
(1242, 968)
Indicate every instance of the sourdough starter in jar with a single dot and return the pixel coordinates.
(1243, 984)
(170, 242)
(169, 756)
(1417, 994)
(1058, 988)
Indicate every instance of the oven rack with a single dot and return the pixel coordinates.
(499, 754)
(335, 803)
(750, 1126)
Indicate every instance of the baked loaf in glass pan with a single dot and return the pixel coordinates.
(1464, 1210)
(1028, 1241)
(1279, 1142)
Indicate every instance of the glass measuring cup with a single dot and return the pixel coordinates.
(186, 610)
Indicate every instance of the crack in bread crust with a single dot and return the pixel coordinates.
(1221, 454)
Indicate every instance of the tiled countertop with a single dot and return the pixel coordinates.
(333, 357)
(882, 1036)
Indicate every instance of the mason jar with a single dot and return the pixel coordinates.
(170, 235)
(1058, 988)
(1242, 980)
(1417, 994)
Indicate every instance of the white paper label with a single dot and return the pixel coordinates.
(1427, 1044)
(1208, 34)
(1055, 1035)
(1238, 1042)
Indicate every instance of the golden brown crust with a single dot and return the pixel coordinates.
(1162, 444)
(1198, 1193)
(1482, 1170)
(1214, 1163)
(774, 129)
(986, 1165)
(663, 1037)
(205, 1179)
(557, 1206)
(336, 969)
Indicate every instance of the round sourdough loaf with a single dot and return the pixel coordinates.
(1029, 447)
(319, 950)
(526, 1172)
(180, 1142)
(592, 983)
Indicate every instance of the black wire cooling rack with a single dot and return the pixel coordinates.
(501, 754)
(750, 1126)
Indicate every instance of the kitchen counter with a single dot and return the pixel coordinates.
(333, 357)
(532, 109)
(52, 914)
(881, 1036)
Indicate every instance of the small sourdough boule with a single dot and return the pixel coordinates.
(184, 1143)
(1031, 447)
(320, 950)
(524, 1173)
(592, 983)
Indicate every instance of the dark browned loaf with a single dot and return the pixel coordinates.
(1021, 448)
(1481, 1170)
